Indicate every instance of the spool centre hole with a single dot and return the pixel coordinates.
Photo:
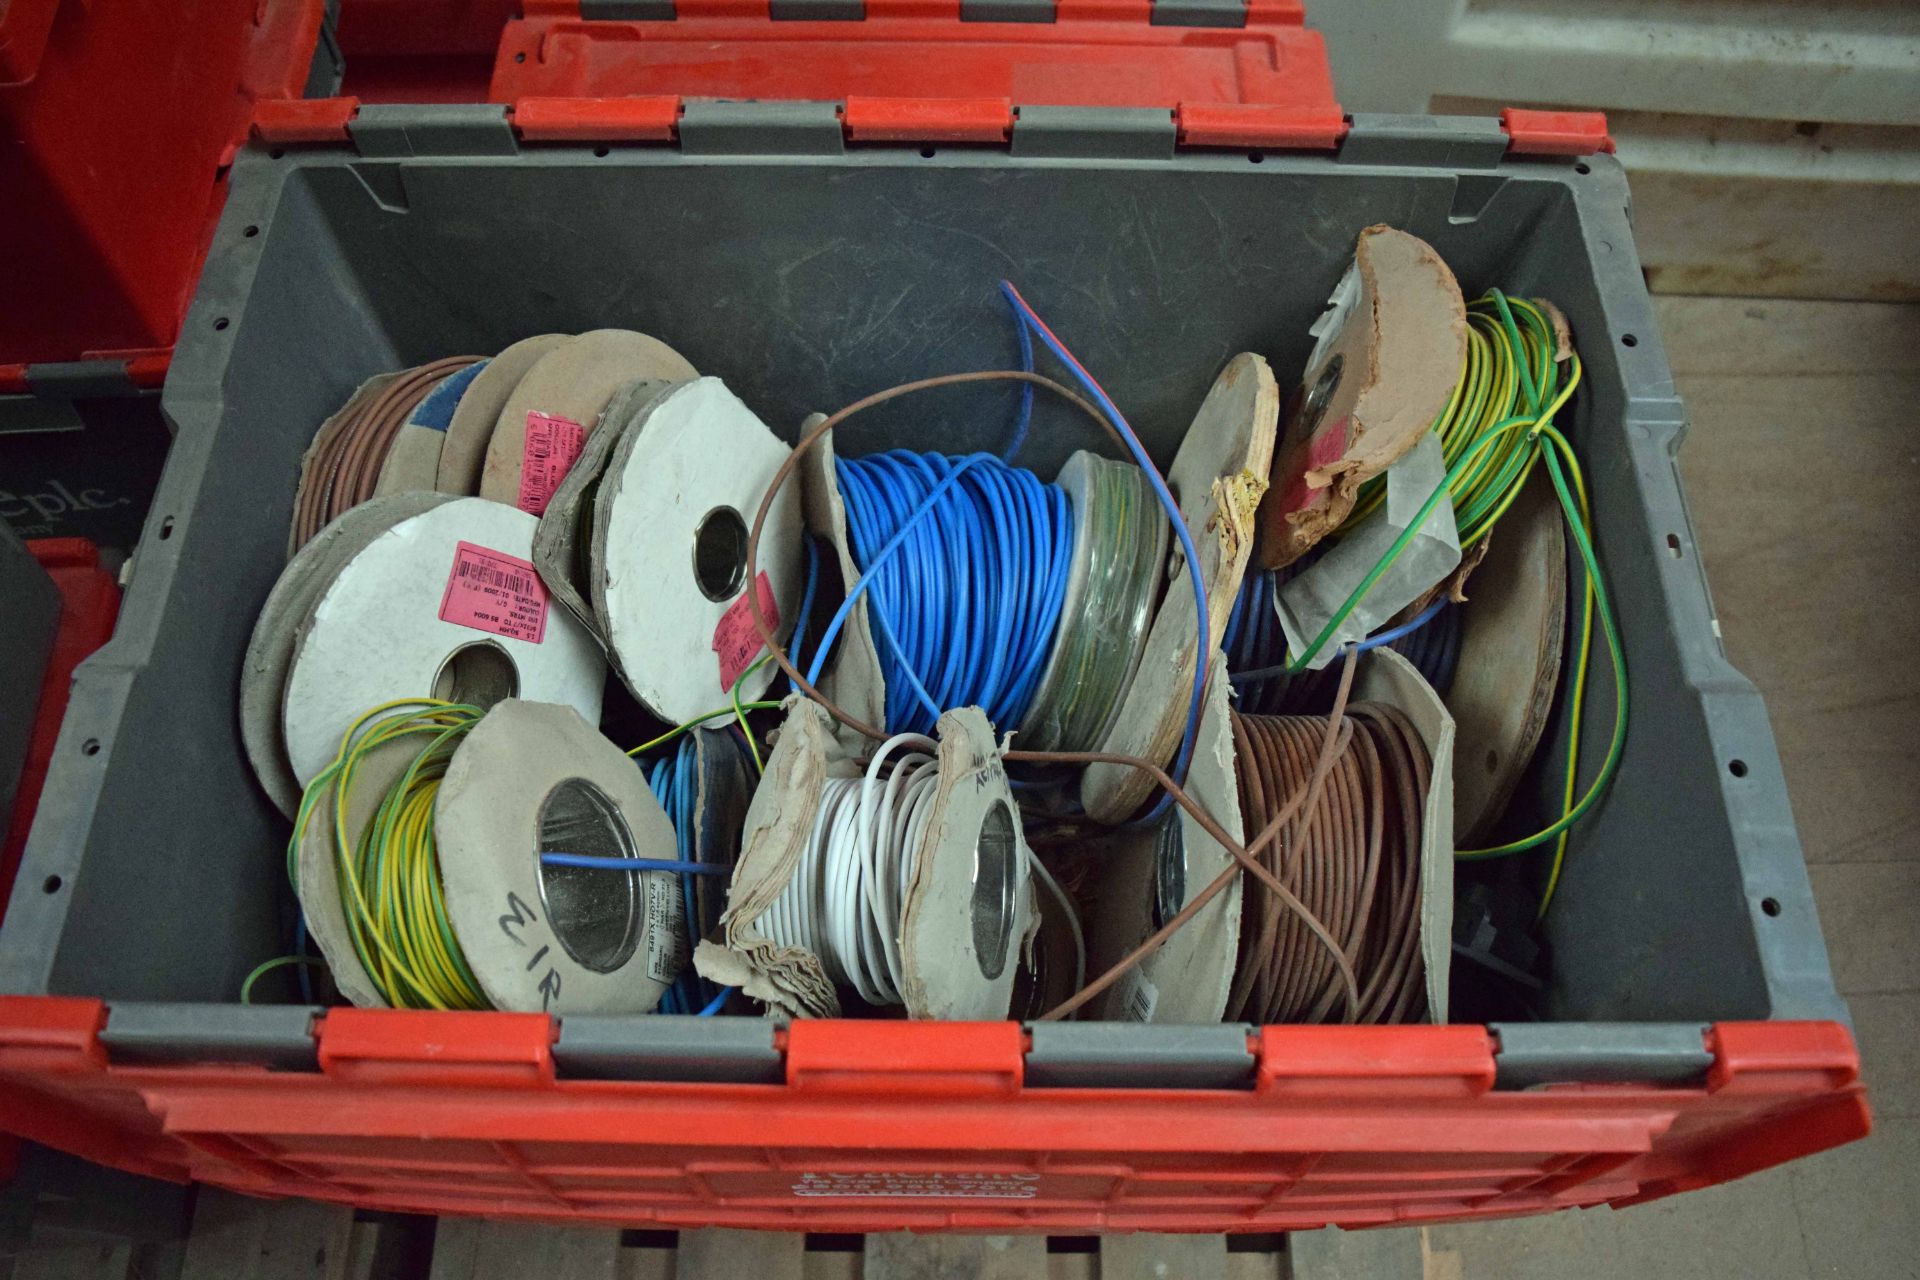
(479, 674)
(994, 855)
(596, 913)
(1170, 871)
(720, 554)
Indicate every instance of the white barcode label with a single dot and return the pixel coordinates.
(1134, 998)
(667, 949)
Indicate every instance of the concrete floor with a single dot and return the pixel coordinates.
(1803, 470)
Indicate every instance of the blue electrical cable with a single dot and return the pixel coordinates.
(806, 609)
(1025, 416)
(716, 1004)
(966, 605)
(1261, 674)
(1032, 320)
(591, 862)
(1252, 638)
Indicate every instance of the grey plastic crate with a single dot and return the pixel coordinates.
(806, 275)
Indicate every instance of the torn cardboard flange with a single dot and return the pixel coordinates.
(668, 563)
(1389, 353)
(1218, 478)
(724, 784)
(970, 904)
(413, 460)
(1385, 676)
(562, 545)
(1511, 640)
(1152, 874)
(557, 404)
(443, 602)
(790, 981)
(531, 778)
(470, 428)
(263, 671)
(854, 681)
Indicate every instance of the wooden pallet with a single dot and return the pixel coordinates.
(239, 1238)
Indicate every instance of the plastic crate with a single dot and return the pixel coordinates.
(120, 120)
(809, 251)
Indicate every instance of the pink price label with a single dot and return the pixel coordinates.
(553, 446)
(492, 592)
(736, 639)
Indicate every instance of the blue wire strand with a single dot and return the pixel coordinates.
(1024, 419)
(966, 605)
(806, 609)
(1032, 320)
(590, 862)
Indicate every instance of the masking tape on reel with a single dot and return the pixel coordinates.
(446, 602)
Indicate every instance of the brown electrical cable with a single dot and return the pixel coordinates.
(1246, 856)
(343, 468)
(1351, 854)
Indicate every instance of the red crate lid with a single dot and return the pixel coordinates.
(117, 122)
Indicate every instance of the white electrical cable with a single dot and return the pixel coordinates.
(845, 899)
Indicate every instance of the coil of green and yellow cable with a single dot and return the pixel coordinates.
(1496, 427)
(389, 879)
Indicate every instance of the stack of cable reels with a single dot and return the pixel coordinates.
(644, 543)
(903, 887)
(1218, 478)
(1367, 854)
(499, 795)
(558, 403)
(413, 595)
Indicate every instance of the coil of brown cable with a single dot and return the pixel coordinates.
(342, 468)
(1352, 856)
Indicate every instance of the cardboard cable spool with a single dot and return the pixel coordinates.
(1511, 638)
(555, 940)
(470, 428)
(1151, 875)
(1389, 353)
(960, 948)
(263, 672)
(442, 602)
(645, 543)
(1218, 477)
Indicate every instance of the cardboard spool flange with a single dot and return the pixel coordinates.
(1218, 477)
(970, 905)
(790, 981)
(430, 587)
(471, 427)
(562, 545)
(1389, 352)
(317, 868)
(263, 672)
(690, 475)
(509, 914)
(413, 460)
(1154, 872)
(854, 681)
(1512, 632)
(573, 381)
(363, 395)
